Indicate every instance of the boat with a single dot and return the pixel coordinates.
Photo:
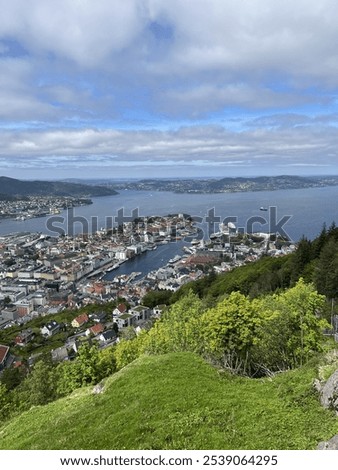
(175, 259)
(263, 208)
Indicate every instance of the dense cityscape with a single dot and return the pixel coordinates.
(40, 275)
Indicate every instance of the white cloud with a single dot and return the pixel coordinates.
(198, 146)
(97, 66)
(84, 31)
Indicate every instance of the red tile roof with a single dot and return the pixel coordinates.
(96, 329)
(81, 319)
(122, 308)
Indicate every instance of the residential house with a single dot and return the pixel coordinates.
(95, 330)
(51, 328)
(4, 353)
(80, 320)
(108, 336)
(99, 317)
(125, 320)
(140, 312)
(24, 337)
(60, 354)
(119, 310)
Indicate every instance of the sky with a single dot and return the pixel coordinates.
(168, 88)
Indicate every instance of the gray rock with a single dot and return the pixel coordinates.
(98, 388)
(329, 393)
(332, 444)
(318, 386)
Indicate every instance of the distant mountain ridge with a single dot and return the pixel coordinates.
(230, 184)
(12, 187)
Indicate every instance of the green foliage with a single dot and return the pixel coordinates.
(127, 333)
(302, 257)
(290, 331)
(229, 332)
(89, 367)
(5, 403)
(39, 386)
(12, 377)
(326, 271)
(127, 351)
(178, 330)
(248, 336)
(157, 297)
(254, 279)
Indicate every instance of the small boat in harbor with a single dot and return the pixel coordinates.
(263, 208)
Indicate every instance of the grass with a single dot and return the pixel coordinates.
(177, 401)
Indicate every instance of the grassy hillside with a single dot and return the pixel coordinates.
(177, 401)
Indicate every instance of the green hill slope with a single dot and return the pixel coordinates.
(177, 401)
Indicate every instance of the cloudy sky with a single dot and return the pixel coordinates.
(134, 88)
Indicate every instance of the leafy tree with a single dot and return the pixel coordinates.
(290, 331)
(39, 386)
(157, 297)
(229, 332)
(127, 351)
(80, 372)
(303, 306)
(89, 367)
(12, 377)
(178, 329)
(106, 363)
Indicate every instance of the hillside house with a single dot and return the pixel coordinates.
(140, 312)
(108, 336)
(95, 330)
(50, 329)
(80, 320)
(24, 337)
(60, 354)
(99, 317)
(119, 310)
(125, 320)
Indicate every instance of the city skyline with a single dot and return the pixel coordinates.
(151, 88)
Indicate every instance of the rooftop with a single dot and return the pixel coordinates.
(3, 353)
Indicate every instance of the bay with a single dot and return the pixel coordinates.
(306, 209)
(148, 261)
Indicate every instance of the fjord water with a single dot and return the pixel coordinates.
(308, 209)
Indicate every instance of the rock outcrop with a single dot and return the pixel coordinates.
(332, 444)
(329, 393)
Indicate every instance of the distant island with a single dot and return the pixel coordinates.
(14, 189)
(228, 185)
